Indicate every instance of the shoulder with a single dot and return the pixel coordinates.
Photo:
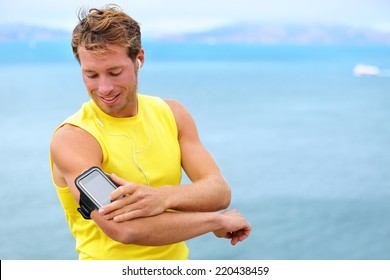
(176, 107)
(70, 144)
(184, 121)
(74, 132)
(68, 134)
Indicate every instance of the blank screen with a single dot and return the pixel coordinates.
(98, 187)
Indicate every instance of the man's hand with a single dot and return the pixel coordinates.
(138, 201)
(234, 227)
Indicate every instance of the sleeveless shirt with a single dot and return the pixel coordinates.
(142, 149)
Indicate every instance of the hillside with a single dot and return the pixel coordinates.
(240, 33)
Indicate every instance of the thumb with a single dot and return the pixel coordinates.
(124, 187)
(115, 194)
(118, 180)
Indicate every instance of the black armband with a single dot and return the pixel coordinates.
(86, 206)
(95, 190)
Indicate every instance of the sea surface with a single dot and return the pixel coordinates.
(304, 144)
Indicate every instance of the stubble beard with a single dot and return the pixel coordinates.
(126, 107)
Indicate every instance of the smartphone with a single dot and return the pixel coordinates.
(95, 184)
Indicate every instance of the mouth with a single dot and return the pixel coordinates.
(109, 100)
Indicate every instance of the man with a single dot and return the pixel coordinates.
(144, 142)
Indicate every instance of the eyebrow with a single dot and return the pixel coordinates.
(109, 69)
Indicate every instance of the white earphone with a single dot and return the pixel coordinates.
(139, 63)
(135, 151)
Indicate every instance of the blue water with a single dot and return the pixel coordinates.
(303, 143)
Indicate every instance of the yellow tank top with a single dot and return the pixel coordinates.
(141, 149)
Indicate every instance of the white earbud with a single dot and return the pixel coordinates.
(139, 63)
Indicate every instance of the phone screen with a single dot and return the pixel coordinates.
(98, 187)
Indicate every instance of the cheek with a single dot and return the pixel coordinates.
(89, 84)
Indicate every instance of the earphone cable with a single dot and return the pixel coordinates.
(135, 152)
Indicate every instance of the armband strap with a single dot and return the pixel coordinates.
(86, 206)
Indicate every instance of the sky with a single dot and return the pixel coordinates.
(176, 16)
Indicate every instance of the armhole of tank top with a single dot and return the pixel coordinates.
(98, 140)
(172, 118)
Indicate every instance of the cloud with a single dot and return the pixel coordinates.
(178, 15)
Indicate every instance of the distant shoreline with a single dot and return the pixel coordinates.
(240, 33)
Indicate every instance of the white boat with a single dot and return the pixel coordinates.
(366, 70)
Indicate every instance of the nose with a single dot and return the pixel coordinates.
(105, 86)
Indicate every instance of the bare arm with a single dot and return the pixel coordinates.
(208, 190)
(73, 150)
(168, 227)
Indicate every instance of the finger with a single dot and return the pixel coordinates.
(235, 239)
(121, 212)
(118, 180)
(118, 206)
(127, 188)
(228, 235)
(118, 192)
(243, 237)
(123, 191)
(128, 216)
(239, 236)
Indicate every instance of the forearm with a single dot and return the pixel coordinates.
(163, 229)
(211, 193)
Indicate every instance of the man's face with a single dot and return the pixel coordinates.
(111, 80)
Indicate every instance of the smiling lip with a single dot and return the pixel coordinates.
(109, 100)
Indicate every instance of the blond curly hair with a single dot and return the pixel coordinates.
(110, 25)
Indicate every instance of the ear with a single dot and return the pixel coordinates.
(140, 58)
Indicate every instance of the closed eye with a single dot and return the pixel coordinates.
(115, 74)
(93, 76)
(90, 74)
